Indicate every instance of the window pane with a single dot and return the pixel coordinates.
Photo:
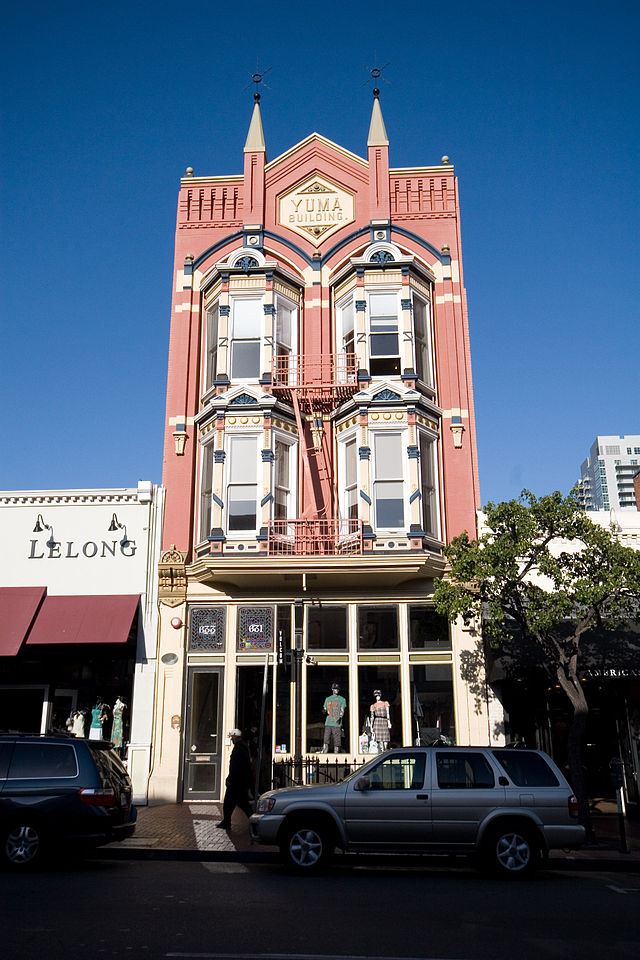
(282, 464)
(386, 679)
(205, 491)
(428, 629)
(389, 502)
(378, 628)
(212, 343)
(32, 760)
(242, 459)
(245, 360)
(247, 318)
(285, 320)
(383, 305)
(384, 366)
(328, 710)
(526, 769)
(384, 344)
(399, 773)
(430, 506)
(421, 337)
(326, 628)
(463, 771)
(242, 507)
(432, 703)
(348, 336)
(388, 454)
(351, 463)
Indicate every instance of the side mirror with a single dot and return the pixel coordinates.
(362, 784)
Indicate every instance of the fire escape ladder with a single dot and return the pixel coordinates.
(311, 475)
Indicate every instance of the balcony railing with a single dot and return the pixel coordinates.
(331, 377)
(314, 538)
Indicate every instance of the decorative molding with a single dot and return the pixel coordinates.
(172, 577)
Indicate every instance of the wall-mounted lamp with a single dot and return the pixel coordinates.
(116, 525)
(40, 526)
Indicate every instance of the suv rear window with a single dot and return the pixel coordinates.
(461, 771)
(526, 769)
(33, 761)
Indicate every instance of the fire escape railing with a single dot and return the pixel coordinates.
(317, 380)
(314, 537)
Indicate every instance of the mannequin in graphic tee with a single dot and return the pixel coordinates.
(380, 721)
(98, 717)
(334, 707)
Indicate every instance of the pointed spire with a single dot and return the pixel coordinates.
(255, 138)
(377, 133)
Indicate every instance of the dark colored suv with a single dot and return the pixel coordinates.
(60, 793)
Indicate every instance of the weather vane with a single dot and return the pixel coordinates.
(376, 75)
(258, 78)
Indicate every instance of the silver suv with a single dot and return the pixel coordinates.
(510, 806)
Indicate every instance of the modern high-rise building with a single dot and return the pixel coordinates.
(607, 475)
(319, 453)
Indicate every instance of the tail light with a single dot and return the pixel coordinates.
(105, 797)
(573, 806)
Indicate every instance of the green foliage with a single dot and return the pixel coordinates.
(544, 569)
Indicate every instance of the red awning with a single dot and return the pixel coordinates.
(84, 620)
(18, 608)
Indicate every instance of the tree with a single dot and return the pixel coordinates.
(545, 574)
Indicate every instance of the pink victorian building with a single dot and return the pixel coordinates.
(319, 452)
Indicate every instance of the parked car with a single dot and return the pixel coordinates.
(60, 793)
(508, 807)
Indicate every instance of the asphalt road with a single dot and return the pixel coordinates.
(212, 911)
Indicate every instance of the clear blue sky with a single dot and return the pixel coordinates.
(105, 105)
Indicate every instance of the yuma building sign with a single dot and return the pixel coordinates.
(316, 209)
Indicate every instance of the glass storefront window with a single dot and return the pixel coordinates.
(328, 709)
(255, 629)
(253, 704)
(372, 723)
(378, 628)
(326, 627)
(428, 630)
(432, 708)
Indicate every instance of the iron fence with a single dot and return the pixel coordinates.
(313, 770)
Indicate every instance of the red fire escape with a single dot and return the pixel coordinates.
(315, 386)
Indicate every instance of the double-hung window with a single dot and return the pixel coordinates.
(242, 484)
(428, 485)
(246, 330)
(388, 484)
(422, 340)
(206, 489)
(286, 326)
(384, 336)
(350, 484)
(212, 344)
(284, 480)
(347, 335)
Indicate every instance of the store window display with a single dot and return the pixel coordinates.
(379, 708)
(334, 708)
(327, 715)
(432, 706)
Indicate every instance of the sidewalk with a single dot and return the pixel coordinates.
(187, 831)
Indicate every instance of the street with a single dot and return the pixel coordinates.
(229, 910)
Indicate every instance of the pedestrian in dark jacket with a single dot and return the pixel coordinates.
(238, 782)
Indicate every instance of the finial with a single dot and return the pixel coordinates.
(189, 171)
(445, 161)
(376, 92)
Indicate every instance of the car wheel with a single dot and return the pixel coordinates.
(307, 847)
(512, 850)
(22, 846)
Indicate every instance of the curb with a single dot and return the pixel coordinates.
(602, 864)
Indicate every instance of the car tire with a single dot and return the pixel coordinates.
(307, 846)
(22, 845)
(511, 850)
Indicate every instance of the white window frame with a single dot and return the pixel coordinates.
(345, 303)
(388, 291)
(433, 447)
(233, 300)
(343, 499)
(400, 478)
(206, 510)
(229, 483)
(281, 299)
(292, 490)
(211, 371)
(429, 381)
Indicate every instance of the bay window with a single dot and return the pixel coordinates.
(242, 484)
(388, 484)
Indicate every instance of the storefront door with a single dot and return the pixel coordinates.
(203, 740)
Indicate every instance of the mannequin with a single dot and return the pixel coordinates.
(116, 728)
(98, 717)
(334, 707)
(380, 721)
(77, 723)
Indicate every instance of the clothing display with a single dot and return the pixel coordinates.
(334, 708)
(116, 727)
(97, 719)
(77, 724)
(380, 720)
